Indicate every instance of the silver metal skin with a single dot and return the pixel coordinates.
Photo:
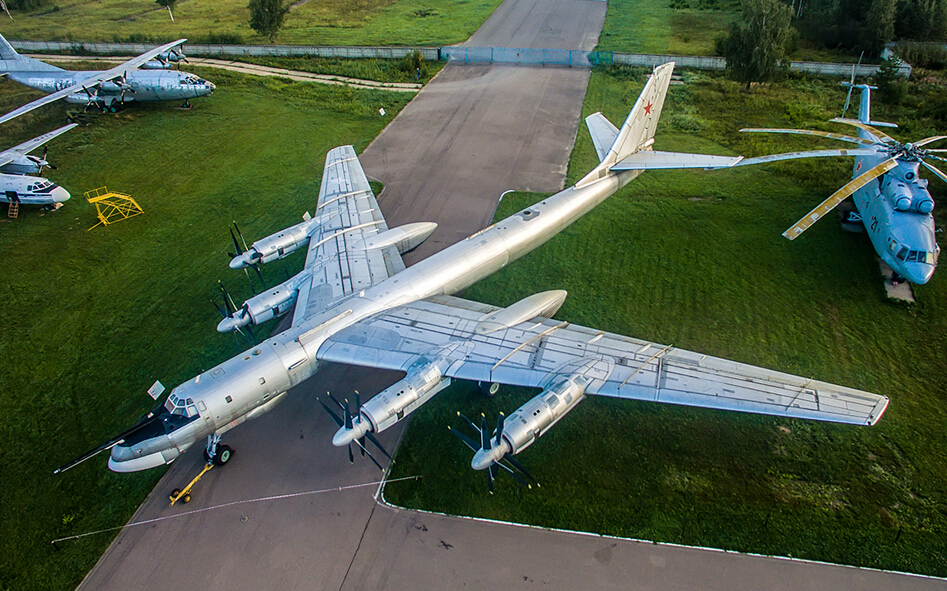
(276, 246)
(105, 89)
(353, 307)
(272, 303)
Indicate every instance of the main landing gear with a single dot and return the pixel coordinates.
(215, 455)
(187, 104)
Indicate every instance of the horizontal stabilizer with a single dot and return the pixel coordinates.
(603, 134)
(651, 160)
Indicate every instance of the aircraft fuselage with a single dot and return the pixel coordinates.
(253, 382)
(30, 190)
(142, 85)
(892, 208)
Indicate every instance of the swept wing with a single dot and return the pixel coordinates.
(116, 72)
(536, 352)
(28, 146)
(341, 259)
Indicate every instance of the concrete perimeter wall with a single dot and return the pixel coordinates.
(469, 55)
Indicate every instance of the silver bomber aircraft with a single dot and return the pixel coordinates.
(16, 164)
(108, 90)
(357, 304)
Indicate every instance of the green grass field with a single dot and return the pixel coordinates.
(696, 259)
(94, 317)
(652, 26)
(322, 22)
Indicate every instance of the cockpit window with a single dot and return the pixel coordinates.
(903, 253)
(180, 406)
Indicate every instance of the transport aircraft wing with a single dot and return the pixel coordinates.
(344, 254)
(28, 146)
(539, 351)
(118, 72)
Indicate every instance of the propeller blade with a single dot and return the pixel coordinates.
(336, 401)
(484, 434)
(236, 245)
(351, 455)
(837, 197)
(373, 439)
(516, 464)
(467, 440)
(335, 417)
(370, 456)
(935, 170)
(825, 134)
(809, 154)
(253, 338)
(515, 476)
(219, 309)
(918, 144)
(347, 413)
(259, 274)
(499, 428)
(469, 422)
(491, 476)
(879, 136)
(242, 239)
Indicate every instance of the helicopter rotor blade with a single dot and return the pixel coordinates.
(875, 134)
(809, 154)
(837, 197)
(917, 144)
(935, 170)
(825, 134)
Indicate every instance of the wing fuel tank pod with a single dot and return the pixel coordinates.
(539, 305)
(405, 238)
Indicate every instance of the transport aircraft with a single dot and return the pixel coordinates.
(110, 89)
(357, 304)
(16, 164)
(896, 209)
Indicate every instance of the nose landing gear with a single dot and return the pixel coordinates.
(214, 455)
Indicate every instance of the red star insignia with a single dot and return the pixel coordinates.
(647, 108)
(858, 167)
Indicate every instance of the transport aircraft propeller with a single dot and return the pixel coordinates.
(346, 422)
(255, 258)
(491, 451)
(230, 312)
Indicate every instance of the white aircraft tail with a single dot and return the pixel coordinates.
(629, 148)
(11, 61)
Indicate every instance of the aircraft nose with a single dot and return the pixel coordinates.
(60, 195)
(919, 273)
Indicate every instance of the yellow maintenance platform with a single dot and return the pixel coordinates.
(111, 206)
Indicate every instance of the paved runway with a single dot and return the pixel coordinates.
(471, 134)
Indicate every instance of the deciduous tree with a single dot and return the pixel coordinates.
(267, 16)
(755, 49)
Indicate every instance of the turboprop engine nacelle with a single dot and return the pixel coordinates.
(265, 306)
(276, 246)
(425, 379)
(530, 421)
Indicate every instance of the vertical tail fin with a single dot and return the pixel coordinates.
(640, 125)
(11, 61)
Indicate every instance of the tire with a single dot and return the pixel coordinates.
(186, 499)
(224, 453)
(175, 492)
(489, 389)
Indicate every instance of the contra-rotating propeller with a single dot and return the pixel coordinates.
(231, 312)
(346, 421)
(491, 452)
(254, 260)
(874, 143)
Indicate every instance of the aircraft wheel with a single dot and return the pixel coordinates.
(224, 453)
(186, 498)
(488, 389)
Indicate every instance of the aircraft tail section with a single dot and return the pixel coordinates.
(11, 61)
(642, 121)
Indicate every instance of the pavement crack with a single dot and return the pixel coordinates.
(358, 548)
